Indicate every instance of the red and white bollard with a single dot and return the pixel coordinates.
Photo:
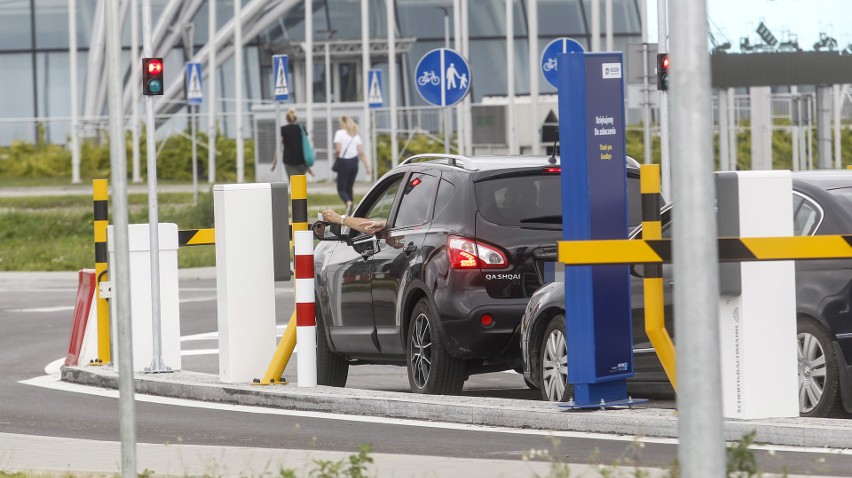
(306, 330)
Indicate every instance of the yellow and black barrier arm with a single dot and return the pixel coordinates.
(731, 249)
(196, 237)
(655, 325)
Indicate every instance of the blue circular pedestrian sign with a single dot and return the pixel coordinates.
(551, 51)
(442, 77)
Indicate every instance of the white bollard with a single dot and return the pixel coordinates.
(306, 330)
(245, 287)
(757, 308)
(140, 296)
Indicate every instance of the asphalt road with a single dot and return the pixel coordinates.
(35, 322)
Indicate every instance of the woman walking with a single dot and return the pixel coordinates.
(348, 148)
(291, 141)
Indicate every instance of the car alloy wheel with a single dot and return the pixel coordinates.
(421, 350)
(554, 362)
(812, 372)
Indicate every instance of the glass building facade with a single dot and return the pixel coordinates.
(34, 43)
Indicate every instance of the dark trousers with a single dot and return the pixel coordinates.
(346, 173)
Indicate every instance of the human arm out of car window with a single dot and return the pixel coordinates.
(360, 224)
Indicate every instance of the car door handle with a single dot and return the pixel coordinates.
(409, 248)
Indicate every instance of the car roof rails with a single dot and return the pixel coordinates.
(452, 159)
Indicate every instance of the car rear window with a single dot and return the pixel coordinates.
(521, 200)
(537, 200)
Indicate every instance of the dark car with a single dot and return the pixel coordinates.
(443, 287)
(822, 204)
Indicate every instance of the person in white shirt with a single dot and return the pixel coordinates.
(348, 149)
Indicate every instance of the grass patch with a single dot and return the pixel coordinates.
(56, 233)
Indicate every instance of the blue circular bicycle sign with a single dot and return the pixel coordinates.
(443, 77)
(548, 57)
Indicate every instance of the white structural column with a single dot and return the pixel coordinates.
(328, 125)
(466, 125)
(761, 127)
(238, 88)
(532, 29)
(212, 30)
(732, 128)
(724, 156)
(95, 63)
(608, 16)
(75, 94)
(366, 127)
(309, 65)
(838, 105)
(510, 75)
(392, 70)
(457, 45)
(596, 25)
(135, 78)
(701, 451)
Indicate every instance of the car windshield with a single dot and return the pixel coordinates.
(536, 200)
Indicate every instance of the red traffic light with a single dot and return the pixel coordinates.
(663, 64)
(155, 66)
(152, 76)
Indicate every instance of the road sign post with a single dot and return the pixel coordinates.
(281, 93)
(549, 58)
(443, 78)
(194, 97)
(594, 205)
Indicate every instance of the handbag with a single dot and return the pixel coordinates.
(307, 149)
(336, 165)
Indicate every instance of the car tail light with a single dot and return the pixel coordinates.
(469, 254)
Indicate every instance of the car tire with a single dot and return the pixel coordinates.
(818, 379)
(530, 385)
(554, 363)
(431, 369)
(332, 368)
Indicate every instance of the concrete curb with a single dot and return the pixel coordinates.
(497, 412)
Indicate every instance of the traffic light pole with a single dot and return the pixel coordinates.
(157, 364)
(665, 164)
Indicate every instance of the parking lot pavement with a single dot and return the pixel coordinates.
(467, 409)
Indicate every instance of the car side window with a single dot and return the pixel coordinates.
(806, 218)
(383, 205)
(446, 190)
(417, 199)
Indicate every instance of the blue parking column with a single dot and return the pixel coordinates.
(594, 206)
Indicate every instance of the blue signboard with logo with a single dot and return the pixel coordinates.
(549, 58)
(594, 206)
(443, 77)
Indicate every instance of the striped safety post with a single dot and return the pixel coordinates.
(306, 330)
(655, 325)
(100, 197)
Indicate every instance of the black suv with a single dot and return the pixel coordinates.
(442, 289)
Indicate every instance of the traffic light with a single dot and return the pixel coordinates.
(152, 76)
(662, 71)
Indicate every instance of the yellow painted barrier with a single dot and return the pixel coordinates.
(100, 198)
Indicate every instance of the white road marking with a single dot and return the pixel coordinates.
(54, 383)
(199, 352)
(62, 308)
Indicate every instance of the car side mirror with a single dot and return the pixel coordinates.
(324, 231)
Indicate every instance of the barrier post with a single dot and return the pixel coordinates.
(100, 197)
(655, 325)
(284, 350)
(306, 332)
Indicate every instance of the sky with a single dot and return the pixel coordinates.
(805, 18)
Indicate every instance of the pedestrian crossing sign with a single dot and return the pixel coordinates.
(194, 91)
(280, 71)
(374, 89)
